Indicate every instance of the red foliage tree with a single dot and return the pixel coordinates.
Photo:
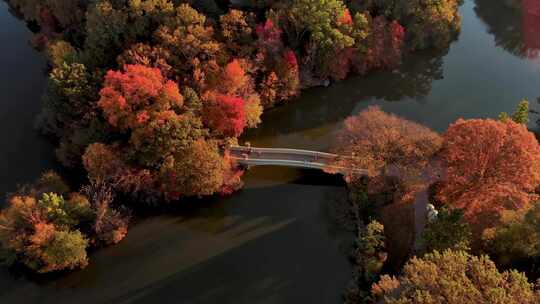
(397, 37)
(385, 45)
(131, 97)
(341, 66)
(47, 21)
(225, 114)
(269, 35)
(345, 18)
(491, 166)
(290, 58)
(288, 75)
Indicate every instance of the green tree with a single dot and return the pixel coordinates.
(195, 171)
(517, 239)
(448, 231)
(454, 277)
(521, 115)
(38, 234)
(54, 207)
(320, 19)
(70, 96)
(368, 257)
(146, 15)
(428, 23)
(106, 28)
(169, 135)
(66, 250)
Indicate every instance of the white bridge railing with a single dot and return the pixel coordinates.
(251, 156)
(299, 152)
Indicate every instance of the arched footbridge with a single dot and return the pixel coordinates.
(251, 156)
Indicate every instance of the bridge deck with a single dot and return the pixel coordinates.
(252, 156)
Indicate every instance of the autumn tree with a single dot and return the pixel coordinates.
(385, 144)
(253, 111)
(321, 20)
(168, 134)
(50, 231)
(65, 13)
(60, 52)
(323, 25)
(233, 83)
(454, 277)
(109, 225)
(428, 23)
(225, 115)
(149, 56)
(490, 166)
(102, 162)
(383, 46)
(41, 234)
(197, 170)
(234, 80)
(282, 79)
(113, 25)
(288, 74)
(132, 97)
(237, 30)
(165, 150)
(269, 36)
(191, 30)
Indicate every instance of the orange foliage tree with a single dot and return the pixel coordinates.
(490, 166)
(234, 77)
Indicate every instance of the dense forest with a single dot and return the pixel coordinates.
(145, 96)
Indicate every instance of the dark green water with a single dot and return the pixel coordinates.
(273, 242)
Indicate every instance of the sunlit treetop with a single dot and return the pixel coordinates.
(132, 97)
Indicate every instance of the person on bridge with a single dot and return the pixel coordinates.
(250, 149)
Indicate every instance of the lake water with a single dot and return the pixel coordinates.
(274, 241)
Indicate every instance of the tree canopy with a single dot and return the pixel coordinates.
(455, 277)
(489, 167)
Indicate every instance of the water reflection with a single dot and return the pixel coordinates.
(515, 24)
(283, 249)
(23, 153)
(319, 109)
